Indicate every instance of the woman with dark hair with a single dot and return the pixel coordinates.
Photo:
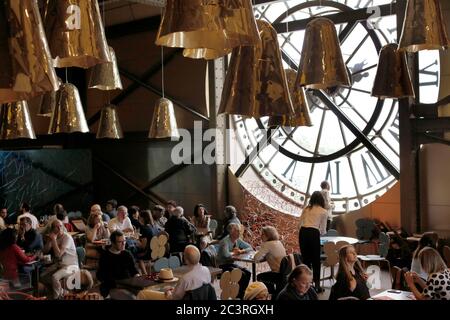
(148, 230)
(133, 213)
(201, 217)
(298, 286)
(350, 279)
(399, 254)
(11, 256)
(96, 229)
(313, 223)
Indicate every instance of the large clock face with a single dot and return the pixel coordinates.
(298, 159)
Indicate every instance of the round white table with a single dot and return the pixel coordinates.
(337, 239)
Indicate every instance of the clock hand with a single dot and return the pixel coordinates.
(364, 140)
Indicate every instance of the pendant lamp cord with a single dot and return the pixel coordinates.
(108, 93)
(162, 62)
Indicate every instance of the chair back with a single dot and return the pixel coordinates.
(446, 252)
(330, 251)
(229, 283)
(205, 292)
(161, 263)
(174, 262)
(287, 264)
(208, 257)
(332, 233)
(81, 253)
(213, 227)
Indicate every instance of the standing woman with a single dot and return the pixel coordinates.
(313, 223)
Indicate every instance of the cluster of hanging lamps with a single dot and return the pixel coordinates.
(423, 29)
(26, 64)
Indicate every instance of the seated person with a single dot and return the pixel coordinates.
(257, 291)
(196, 277)
(273, 251)
(121, 222)
(110, 207)
(62, 216)
(3, 216)
(230, 217)
(96, 229)
(299, 285)
(230, 246)
(399, 254)
(148, 230)
(28, 238)
(425, 241)
(201, 217)
(97, 209)
(350, 279)
(26, 212)
(115, 263)
(179, 229)
(11, 256)
(82, 293)
(158, 217)
(133, 213)
(437, 286)
(61, 244)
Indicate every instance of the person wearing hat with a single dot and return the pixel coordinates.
(256, 291)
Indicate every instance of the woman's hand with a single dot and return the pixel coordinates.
(409, 278)
(365, 276)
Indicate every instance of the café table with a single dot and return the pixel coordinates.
(248, 257)
(336, 239)
(394, 295)
(136, 284)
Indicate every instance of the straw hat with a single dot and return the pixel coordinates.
(166, 275)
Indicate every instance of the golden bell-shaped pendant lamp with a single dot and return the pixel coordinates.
(75, 33)
(48, 102)
(16, 121)
(321, 64)
(302, 116)
(423, 27)
(240, 27)
(25, 61)
(106, 76)
(68, 115)
(109, 126)
(164, 123)
(255, 84)
(392, 79)
(213, 28)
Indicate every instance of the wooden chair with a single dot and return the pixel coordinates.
(331, 260)
(383, 248)
(229, 283)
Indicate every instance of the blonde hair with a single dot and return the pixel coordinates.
(431, 261)
(271, 233)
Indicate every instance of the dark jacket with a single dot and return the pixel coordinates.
(112, 267)
(32, 241)
(289, 293)
(341, 289)
(180, 231)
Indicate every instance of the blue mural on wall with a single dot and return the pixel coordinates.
(42, 177)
